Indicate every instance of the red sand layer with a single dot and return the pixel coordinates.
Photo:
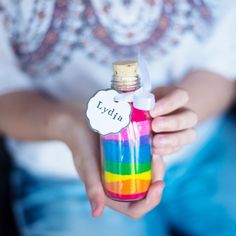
(126, 197)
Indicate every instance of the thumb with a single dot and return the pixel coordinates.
(95, 194)
(88, 169)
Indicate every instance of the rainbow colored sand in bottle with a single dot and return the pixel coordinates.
(127, 154)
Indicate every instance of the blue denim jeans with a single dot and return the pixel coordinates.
(199, 199)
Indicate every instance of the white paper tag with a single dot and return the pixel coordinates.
(106, 116)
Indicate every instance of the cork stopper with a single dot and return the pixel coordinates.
(125, 76)
(125, 68)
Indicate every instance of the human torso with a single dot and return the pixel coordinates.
(67, 47)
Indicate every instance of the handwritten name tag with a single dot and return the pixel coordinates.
(106, 116)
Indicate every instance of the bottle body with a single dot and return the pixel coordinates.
(126, 159)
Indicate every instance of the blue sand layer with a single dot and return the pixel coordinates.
(123, 152)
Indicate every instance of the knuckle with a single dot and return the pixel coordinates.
(177, 123)
(183, 94)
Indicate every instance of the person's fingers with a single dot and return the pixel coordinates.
(184, 119)
(137, 209)
(165, 151)
(87, 162)
(158, 168)
(176, 139)
(89, 173)
(96, 196)
(171, 102)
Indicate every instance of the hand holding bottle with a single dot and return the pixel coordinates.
(84, 146)
(173, 123)
(178, 130)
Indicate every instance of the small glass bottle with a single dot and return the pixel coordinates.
(126, 156)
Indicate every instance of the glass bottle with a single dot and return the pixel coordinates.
(126, 156)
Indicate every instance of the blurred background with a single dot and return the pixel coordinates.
(79, 36)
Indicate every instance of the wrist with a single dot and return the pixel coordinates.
(60, 123)
(70, 124)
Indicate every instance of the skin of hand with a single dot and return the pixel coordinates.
(173, 123)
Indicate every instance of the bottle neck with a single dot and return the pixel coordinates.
(125, 84)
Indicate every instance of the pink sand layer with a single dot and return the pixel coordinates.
(139, 115)
(134, 130)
